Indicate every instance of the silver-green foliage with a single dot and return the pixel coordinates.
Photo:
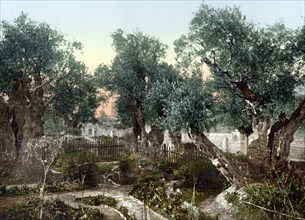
(237, 51)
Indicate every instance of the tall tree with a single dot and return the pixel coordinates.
(134, 68)
(255, 71)
(75, 98)
(35, 63)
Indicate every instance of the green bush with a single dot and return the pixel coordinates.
(166, 169)
(268, 201)
(24, 211)
(18, 190)
(202, 172)
(53, 210)
(105, 168)
(109, 201)
(100, 200)
(166, 200)
(126, 163)
(63, 187)
(124, 211)
(76, 164)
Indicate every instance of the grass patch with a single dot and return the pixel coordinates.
(109, 201)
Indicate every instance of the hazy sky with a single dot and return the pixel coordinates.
(92, 22)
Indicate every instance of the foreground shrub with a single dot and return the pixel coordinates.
(269, 201)
(18, 190)
(165, 199)
(109, 201)
(53, 210)
(202, 172)
(100, 199)
(78, 165)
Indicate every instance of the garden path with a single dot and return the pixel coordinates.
(120, 193)
(217, 206)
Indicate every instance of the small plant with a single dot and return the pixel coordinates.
(124, 211)
(19, 190)
(203, 172)
(143, 162)
(53, 210)
(77, 164)
(100, 200)
(164, 198)
(126, 163)
(105, 200)
(269, 201)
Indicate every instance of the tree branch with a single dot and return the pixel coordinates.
(269, 210)
(296, 118)
(248, 94)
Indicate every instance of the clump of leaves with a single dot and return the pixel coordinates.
(269, 201)
(53, 210)
(105, 168)
(124, 211)
(109, 201)
(63, 187)
(201, 171)
(163, 198)
(77, 164)
(18, 190)
(126, 163)
(236, 157)
(100, 200)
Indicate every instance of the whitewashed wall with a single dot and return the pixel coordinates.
(92, 130)
(229, 142)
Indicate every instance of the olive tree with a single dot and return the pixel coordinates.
(254, 73)
(38, 72)
(134, 68)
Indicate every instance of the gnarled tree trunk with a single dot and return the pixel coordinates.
(270, 151)
(155, 139)
(258, 153)
(141, 122)
(28, 110)
(228, 169)
(6, 132)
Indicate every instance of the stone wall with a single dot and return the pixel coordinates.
(229, 142)
(93, 130)
(232, 142)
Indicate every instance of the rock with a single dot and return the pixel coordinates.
(218, 206)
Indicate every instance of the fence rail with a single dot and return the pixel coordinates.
(106, 150)
(188, 155)
(114, 150)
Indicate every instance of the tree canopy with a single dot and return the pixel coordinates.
(256, 63)
(40, 76)
(137, 64)
(254, 76)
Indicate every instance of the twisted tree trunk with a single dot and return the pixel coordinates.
(155, 140)
(228, 169)
(258, 153)
(6, 132)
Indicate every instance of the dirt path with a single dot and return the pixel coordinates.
(216, 206)
(120, 193)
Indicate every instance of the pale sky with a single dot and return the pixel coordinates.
(92, 22)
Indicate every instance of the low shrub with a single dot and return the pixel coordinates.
(18, 190)
(269, 201)
(109, 201)
(53, 210)
(63, 187)
(100, 200)
(126, 163)
(77, 164)
(105, 168)
(165, 199)
(202, 172)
